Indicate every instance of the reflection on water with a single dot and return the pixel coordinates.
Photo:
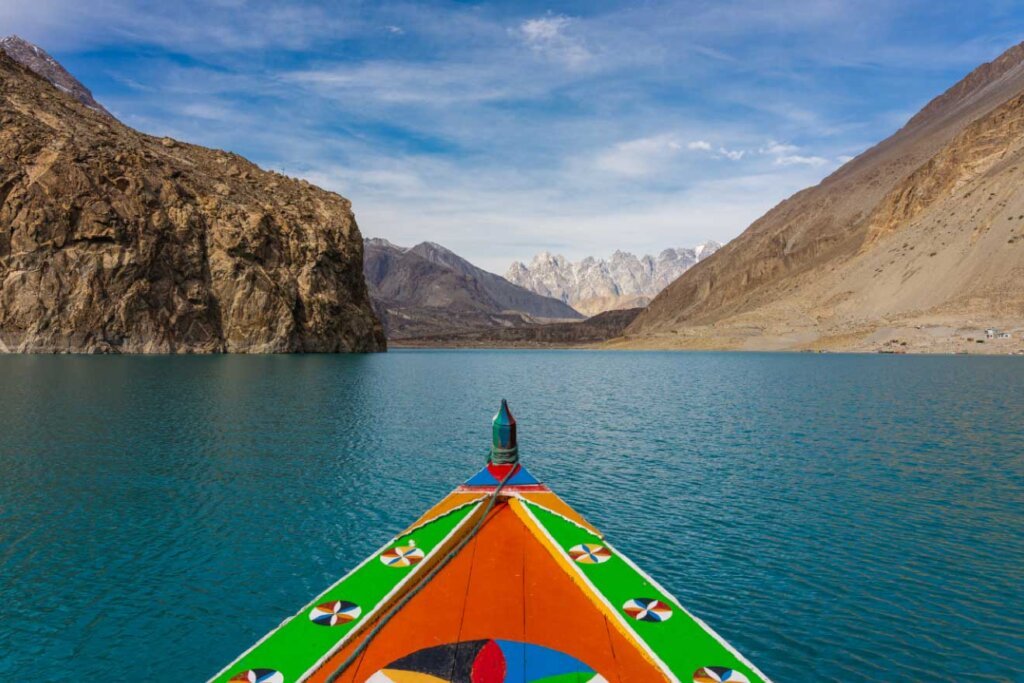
(858, 517)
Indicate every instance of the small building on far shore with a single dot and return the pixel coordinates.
(993, 333)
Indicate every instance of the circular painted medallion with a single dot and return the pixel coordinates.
(718, 674)
(258, 676)
(334, 613)
(402, 555)
(487, 661)
(590, 553)
(647, 609)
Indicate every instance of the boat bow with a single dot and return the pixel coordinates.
(500, 582)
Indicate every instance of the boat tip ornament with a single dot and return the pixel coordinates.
(504, 445)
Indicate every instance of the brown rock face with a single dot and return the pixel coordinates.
(115, 241)
(920, 235)
(37, 60)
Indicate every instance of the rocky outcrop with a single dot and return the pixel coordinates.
(40, 62)
(595, 285)
(115, 241)
(428, 290)
(918, 238)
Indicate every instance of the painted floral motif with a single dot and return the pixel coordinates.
(402, 555)
(718, 674)
(487, 661)
(647, 609)
(590, 553)
(334, 613)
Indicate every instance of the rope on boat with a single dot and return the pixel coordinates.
(357, 653)
(504, 456)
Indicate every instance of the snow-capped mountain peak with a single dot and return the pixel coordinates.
(593, 285)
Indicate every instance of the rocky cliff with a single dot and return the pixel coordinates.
(115, 241)
(916, 244)
(595, 285)
(40, 62)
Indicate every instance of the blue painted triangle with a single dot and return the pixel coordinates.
(485, 478)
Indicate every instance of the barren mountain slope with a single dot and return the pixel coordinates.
(429, 290)
(915, 238)
(111, 240)
(39, 61)
(507, 295)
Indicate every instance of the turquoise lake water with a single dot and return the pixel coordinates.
(837, 518)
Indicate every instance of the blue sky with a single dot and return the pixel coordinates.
(503, 129)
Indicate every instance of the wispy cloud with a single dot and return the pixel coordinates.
(454, 122)
(732, 154)
(800, 160)
(639, 157)
(551, 37)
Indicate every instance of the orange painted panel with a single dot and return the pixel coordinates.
(447, 504)
(505, 584)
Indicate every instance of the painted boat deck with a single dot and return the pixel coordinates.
(536, 595)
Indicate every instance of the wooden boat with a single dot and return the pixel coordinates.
(500, 582)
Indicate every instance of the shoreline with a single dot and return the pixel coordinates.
(610, 346)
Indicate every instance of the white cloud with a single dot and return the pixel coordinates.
(777, 148)
(555, 131)
(843, 158)
(210, 111)
(548, 36)
(430, 85)
(796, 159)
(639, 157)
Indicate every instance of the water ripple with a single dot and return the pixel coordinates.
(856, 517)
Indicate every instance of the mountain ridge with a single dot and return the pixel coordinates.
(429, 290)
(594, 285)
(837, 264)
(40, 62)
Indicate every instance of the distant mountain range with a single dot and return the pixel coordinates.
(428, 290)
(595, 285)
(917, 244)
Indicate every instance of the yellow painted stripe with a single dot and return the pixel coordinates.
(453, 501)
(550, 501)
(542, 535)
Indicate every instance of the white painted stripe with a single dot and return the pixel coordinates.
(589, 530)
(302, 611)
(422, 524)
(641, 644)
(650, 579)
(386, 599)
(714, 634)
(337, 583)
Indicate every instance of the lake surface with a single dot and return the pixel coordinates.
(848, 518)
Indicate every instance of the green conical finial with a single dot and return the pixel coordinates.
(504, 448)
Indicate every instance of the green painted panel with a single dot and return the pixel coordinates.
(680, 641)
(298, 644)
